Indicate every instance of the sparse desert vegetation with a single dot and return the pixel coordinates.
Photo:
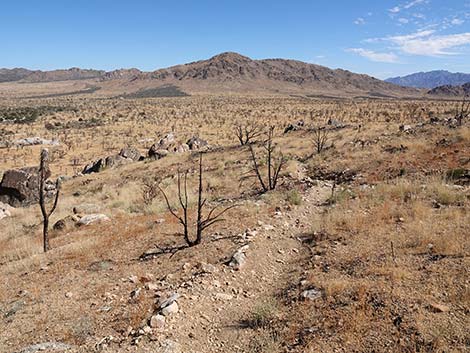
(362, 244)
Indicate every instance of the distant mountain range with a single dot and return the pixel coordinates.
(431, 79)
(35, 76)
(451, 91)
(223, 73)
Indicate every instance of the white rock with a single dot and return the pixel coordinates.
(311, 294)
(207, 268)
(157, 321)
(31, 141)
(170, 309)
(133, 279)
(169, 346)
(223, 296)
(238, 260)
(46, 346)
(167, 301)
(5, 210)
(151, 286)
(92, 218)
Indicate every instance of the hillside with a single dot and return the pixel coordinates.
(362, 246)
(221, 74)
(431, 79)
(234, 72)
(36, 76)
(451, 91)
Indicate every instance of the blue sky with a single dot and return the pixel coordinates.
(380, 38)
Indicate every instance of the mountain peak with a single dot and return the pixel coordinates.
(230, 56)
(431, 79)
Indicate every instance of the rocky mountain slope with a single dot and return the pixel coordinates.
(451, 91)
(234, 72)
(431, 79)
(223, 73)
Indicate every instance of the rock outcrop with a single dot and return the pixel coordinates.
(20, 187)
(169, 144)
(125, 156)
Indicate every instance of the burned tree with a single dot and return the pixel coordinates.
(246, 133)
(43, 170)
(273, 164)
(320, 138)
(202, 223)
(462, 111)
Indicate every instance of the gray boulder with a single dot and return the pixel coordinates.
(298, 125)
(196, 143)
(131, 153)
(125, 156)
(157, 153)
(20, 187)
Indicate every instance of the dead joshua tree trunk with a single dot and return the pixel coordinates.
(320, 138)
(462, 111)
(202, 223)
(273, 167)
(43, 167)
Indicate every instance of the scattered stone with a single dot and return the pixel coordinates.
(15, 307)
(311, 294)
(167, 141)
(196, 143)
(166, 301)
(169, 346)
(135, 293)
(406, 128)
(5, 210)
(133, 279)
(101, 265)
(223, 296)
(46, 346)
(336, 124)
(33, 141)
(208, 268)
(298, 125)
(439, 308)
(155, 153)
(151, 286)
(170, 309)
(66, 223)
(69, 295)
(238, 260)
(157, 321)
(92, 218)
(268, 227)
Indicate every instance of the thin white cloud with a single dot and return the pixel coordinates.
(457, 22)
(375, 56)
(409, 5)
(403, 20)
(360, 21)
(427, 43)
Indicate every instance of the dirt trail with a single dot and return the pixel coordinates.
(214, 306)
